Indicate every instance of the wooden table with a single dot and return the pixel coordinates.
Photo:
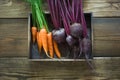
(22, 69)
(14, 64)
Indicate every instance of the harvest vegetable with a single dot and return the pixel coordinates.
(56, 49)
(58, 32)
(43, 36)
(70, 13)
(66, 22)
(50, 44)
(39, 41)
(41, 32)
(76, 30)
(34, 33)
(59, 35)
(69, 27)
(42, 26)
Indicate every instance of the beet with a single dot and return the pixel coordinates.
(86, 49)
(75, 51)
(86, 45)
(59, 35)
(76, 30)
(71, 40)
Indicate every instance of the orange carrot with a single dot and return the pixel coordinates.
(43, 33)
(50, 44)
(39, 41)
(34, 33)
(56, 49)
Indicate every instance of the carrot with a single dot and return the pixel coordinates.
(43, 33)
(56, 49)
(50, 44)
(39, 41)
(34, 33)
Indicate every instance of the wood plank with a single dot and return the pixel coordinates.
(99, 8)
(107, 27)
(13, 42)
(22, 69)
(13, 37)
(106, 33)
(106, 48)
(14, 9)
(103, 8)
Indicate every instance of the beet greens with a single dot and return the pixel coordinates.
(68, 15)
(59, 32)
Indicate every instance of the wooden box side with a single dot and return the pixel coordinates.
(34, 55)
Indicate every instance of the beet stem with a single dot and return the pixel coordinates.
(87, 60)
(66, 9)
(73, 9)
(54, 13)
(80, 44)
(65, 23)
(83, 20)
(77, 10)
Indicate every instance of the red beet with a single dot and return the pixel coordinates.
(86, 45)
(71, 40)
(76, 30)
(59, 35)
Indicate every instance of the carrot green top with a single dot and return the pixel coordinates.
(38, 14)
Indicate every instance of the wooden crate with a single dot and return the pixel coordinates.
(34, 55)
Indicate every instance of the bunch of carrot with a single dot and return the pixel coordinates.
(40, 31)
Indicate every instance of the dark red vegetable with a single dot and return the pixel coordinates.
(59, 32)
(71, 40)
(59, 35)
(86, 44)
(66, 22)
(76, 30)
(86, 49)
(69, 14)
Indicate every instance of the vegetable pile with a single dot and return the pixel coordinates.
(40, 31)
(69, 27)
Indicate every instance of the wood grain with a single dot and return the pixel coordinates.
(99, 8)
(103, 8)
(106, 32)
(13, 37)
(22, 69)
(106, 48)
(14, 9)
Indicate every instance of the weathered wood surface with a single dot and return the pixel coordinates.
(22, 69)
(106, 33)
(14, 9)
(106, 30)
(100, 8)
(13, 37)
(103, 8)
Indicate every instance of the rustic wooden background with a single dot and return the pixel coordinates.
(14, 64)
(106, 27)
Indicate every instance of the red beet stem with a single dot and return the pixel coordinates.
(64, 18)
(54, 11)
(83, 22)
